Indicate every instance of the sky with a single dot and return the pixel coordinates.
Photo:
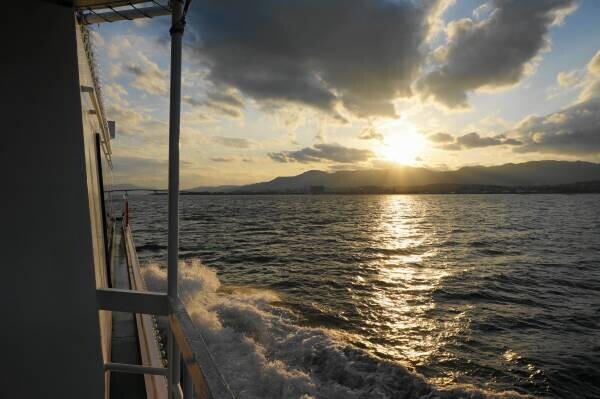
(278, 87)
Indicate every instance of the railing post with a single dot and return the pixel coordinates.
(177, 27)
(188, 386)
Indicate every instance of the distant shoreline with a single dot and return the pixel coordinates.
(592, 187)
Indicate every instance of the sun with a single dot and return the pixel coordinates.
(402, 145)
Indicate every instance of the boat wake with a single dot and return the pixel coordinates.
(262, 353)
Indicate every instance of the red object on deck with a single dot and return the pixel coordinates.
(126, 213)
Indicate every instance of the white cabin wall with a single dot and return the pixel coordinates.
(50, 246)
(91, 127)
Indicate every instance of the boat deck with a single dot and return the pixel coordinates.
(135, 338)
(125, 343)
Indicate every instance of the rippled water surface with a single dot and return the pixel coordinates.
(497, 292)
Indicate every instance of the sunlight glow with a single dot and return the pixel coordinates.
(402, 144)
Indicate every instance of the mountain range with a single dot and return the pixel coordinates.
(527, 174)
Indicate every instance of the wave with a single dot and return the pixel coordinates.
(150, 247)
(263, 353)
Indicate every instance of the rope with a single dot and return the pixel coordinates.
(139, 11)
(160, 5)
(98, 15)
(119, 13)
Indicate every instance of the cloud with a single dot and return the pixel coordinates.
(232, 142)
(440, 137)
(574, 130)
(148, 76)
(323, 152)
(279, 157)
(226, 98)
(568, 79)
(224, 109)
(493, 53)
(473, 140)
(362, 54)
(226, 102)
(222, 159)
(482, 10)
(145, 171)
(451, 147)
(192, 101)
(594, 65)
(591, 88)
(97, 39)
(151, 172)
(370, 133)
(132, 121)
(576, 79)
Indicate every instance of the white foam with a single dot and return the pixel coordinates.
(263, 354)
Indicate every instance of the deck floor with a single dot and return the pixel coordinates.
(125, 345)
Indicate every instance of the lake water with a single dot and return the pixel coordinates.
(389, 296)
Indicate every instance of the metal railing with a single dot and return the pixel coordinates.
(187, 352)
(192, 359)
(96, 90)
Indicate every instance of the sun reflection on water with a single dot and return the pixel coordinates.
(404, 306)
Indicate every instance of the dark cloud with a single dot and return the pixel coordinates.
(495, 52)
(370, 133)
(574, 130)
(474, 140)
(510, 141)
(279, 157)
(233, 142)
(440, 138)
(362, 53)
(323, 152)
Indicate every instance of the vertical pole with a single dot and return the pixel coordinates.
(103, 207)
(177, 26)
